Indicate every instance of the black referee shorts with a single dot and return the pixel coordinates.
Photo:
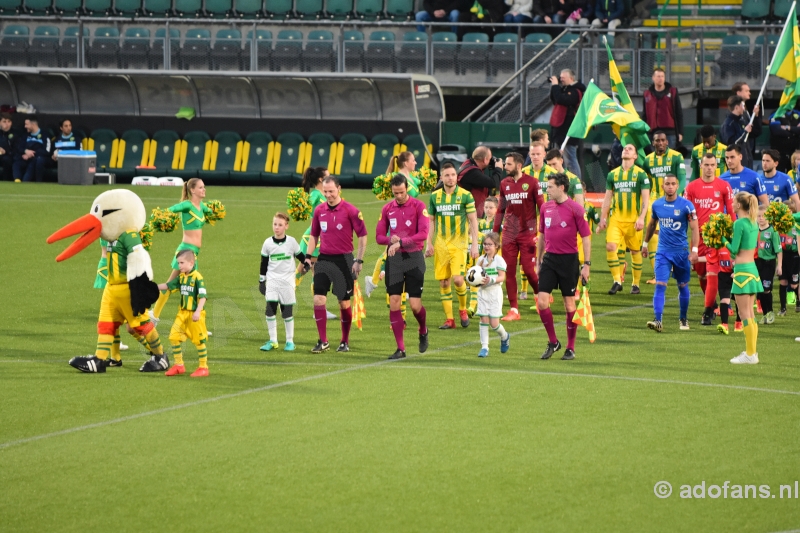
(559, 271)
(790, 268)
(334, 270)
(405, 272)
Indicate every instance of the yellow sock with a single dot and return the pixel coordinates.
(473, 297)
(403, 305)
(139, 338)
(613, 265)
(298, 279)
(177, 354)
(652, 245)
(447, 302)
(376, 272)
(461, 294)
(636, 266)
(104, 343)
(202, 353)
(750, 335)
(523, 283)
(160, 303)
(154, 342)
(115, 355)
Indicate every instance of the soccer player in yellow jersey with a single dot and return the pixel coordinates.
(710, 145)
(628, 187)
(452, 211)
(661, 162)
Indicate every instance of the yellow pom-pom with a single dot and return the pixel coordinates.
(298, 203)
(381, 187)
(146, 234)
(718, 227)
(779, 217)
(428, 178)
(164, 220)
(217, 211)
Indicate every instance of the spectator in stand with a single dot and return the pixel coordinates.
(742, 90)
(609, 13)
(784, 136)
(68, 140)
(519, 11)
(582, 13)
(31, 159)
(662, 109)
(440, 11)
(566, 94)
(9, 141)
(736, 127)
(548, 12)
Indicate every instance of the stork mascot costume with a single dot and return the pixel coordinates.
(117, 216)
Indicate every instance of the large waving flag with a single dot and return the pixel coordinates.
(597, 108)
(786, 63)
(583, 314)
(620, 94)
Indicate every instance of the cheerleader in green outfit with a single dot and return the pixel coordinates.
(746, 281)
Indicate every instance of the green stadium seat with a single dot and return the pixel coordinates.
(319, 55)
(38, 7)
(352, 154)
(256, 159)
(158, 8)
(195, 155)
(382, 148)
(287, 161)
(412, 52)
(380, 51)
(503, 53)
(68, 51)
(133, 150)
(353, 51)
(756, 9)
(473, 52)
(219, 8)
(164, 154)
(14, 45)
(444, 48)
(69, 8)
(339, 9)
(105, 143)
(196, 51)
(413, 144)
(226, 157)
(105, 48)
(369, 9)
(308, 9)
(189, 8)
(249, 9)
(288, 51)
(278, 8)
(97, 8)
(157, 48)
(135, 49)
(44, 47)
(227, 51)
(128, 8)
(399, 9)
(10, 7)
(780, 10)
(263, 49)
(734, 55)
(320, 151)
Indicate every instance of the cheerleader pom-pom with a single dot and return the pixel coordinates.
(298, 204)
(164, 220)
(217, 212)
(146, 234)
(718, 228)
(779, 217)
(381, 187)
(428, 178)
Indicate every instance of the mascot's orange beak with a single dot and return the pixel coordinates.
(89, 225)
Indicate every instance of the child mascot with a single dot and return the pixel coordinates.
(117, 216)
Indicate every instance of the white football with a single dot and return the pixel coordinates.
(475, 276)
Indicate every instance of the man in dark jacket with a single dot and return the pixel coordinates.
(9, 142)
(785, 137)
(549, 12)
(609, 13)
(566, 94)
(440, 11)
(743, 90)
(662, 109)
(735, 128)
(31, 159)
(471, 176)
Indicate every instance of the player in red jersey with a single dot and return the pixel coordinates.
(710, 195)
(520, 198)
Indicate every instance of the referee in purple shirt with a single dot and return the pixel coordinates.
(560, 221)
(338, 220)
(403, 228)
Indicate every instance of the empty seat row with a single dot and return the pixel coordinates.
(736, 59)
(256, 159)
(766, 10)
(247, 9)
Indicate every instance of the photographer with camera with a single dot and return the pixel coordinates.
(472, 176)
(566, 94)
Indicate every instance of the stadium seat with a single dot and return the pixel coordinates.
(443, 50)
(195, 155)
(256, 159)
(263, 49)
(380, 52)
(399, 9)
(780, 10)
(38, 7)
(534, 43)
(472, 52)
(105, 48)
(219, 8)
(128, 8)
(68, 51)
(318, 55)
(105, 144)
(249, 9)
(287, 160)
(196, 50)
(157, 48)
(756, 10)
(69, 8)
(226, 157)
(320, 151)
(135, 49)
(353, 51)
(189, 9)
(308, 9)
(10, 7)
(734, 55)
(288, 51)
(413, 52)
(278, 8)
(339, 9)
(369, 9)
(133, 150)
(503, 53)
(97, 8)
(413, 144)
(382, 148)
(567, 39)
(158, 8)
(43, 51)
(164, 154)
(352, 155)
(227, 51)
(14, 45)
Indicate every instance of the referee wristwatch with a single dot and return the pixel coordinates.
(359, 261)
(587, 263)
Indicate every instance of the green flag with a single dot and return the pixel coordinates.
(786, 63)
(597, 108)
(625, 134)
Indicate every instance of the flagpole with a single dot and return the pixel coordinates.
(564, 144)
(769, 67)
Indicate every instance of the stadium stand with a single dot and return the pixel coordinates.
(352, 157)
(414, 144)
(412, 51)
(263, 50)
(225, 158)
(288, 51)
(163, 155)
(196, 51)
(44, 47)
(379, 54)
(472, 53)
(288, 159)
(135, 48)
(195, 155)
(320, 151)
(503, 53)
(226, 54)
(105, 143)
(369, 9)
(14, 45)
(257, 153)
(104, 51)
(318, 55)
(382, 148)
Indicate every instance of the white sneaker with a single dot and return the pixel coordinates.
(369, 286)
(331, 316)
(123, 347)
(744, 359)
(153, 318)
(209, 333)
(797, 339)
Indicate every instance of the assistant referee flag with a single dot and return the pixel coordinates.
(786, 63)
(597, 108)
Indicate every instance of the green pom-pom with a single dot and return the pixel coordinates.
(779, 217)
(217, 211)
(146, 234)
(428, 178)
(718, 228)
(164, 220)
(298, 204)
(381, 188)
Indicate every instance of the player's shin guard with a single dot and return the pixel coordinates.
(750, 335)
(321, 317)
(421, 319)
(766, 301)
(484, 332)
(712, 286)
(104, 342)
(347, 320)
(177, 353)
(659, 296)
(160, 303)
(723, 312)
(154, 342)
(613, 265)
(572, 330)
(683, 299)
(523, 280)
(396, 320)
(202, 354)
(636, 266)
(546, 315)
(461, 294)
(446, 296)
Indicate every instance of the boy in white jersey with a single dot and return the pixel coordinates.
(277, 280)
(490, 295)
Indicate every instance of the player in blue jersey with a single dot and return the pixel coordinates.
(780, 186)
(742, 179)
(674, 216)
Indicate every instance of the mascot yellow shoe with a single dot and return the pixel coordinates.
(118, 216)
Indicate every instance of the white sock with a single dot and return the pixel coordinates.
(289, 325)
(501, 331)
(272, 326)
(484, 329)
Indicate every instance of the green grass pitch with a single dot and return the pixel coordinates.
(443, 441)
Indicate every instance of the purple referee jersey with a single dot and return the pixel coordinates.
(337, 223)
(408, 221)
(560, 224)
